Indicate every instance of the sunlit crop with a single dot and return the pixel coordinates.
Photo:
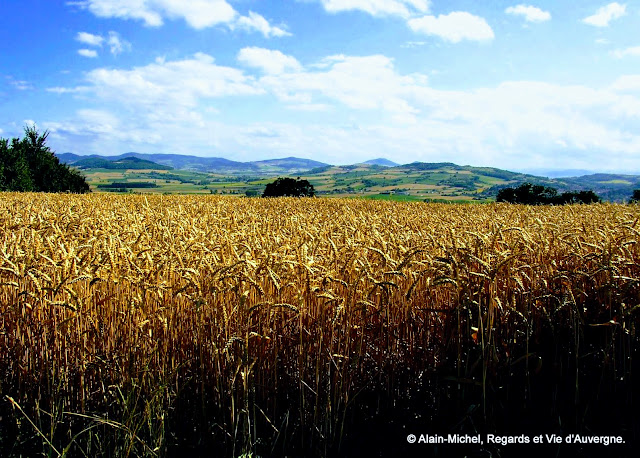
(135, 325)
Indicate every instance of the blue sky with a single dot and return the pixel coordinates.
(535, 85)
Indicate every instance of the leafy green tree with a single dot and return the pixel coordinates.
(29, 165)
(15, 169)
(289, 187)
(530, 194)
(581, 197)
(635, 198)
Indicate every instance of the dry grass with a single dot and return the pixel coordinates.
(135, 325)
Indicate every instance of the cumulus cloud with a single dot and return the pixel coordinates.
(255, 21)
(633, 51)
(350, 106)
(403, 8)
(89, 39)
(91, 53)
(116, 44)
(166, 84)
(453, 27)
(356, 82)
(198, 14)
(530, 13)
(123, 9)
(604, 15)
(626, 83)
(269, 61)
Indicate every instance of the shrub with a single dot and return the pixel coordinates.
(289, 187)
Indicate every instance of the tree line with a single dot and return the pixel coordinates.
(530, 194)
(27, 164)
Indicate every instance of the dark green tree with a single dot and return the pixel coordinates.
(530, 194)
(289, 187)
(581, 197)
(506, 195)
(635, 198)
(14, 166)
(30, 165)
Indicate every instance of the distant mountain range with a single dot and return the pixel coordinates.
(129, 163)
(289, 165)
(381, 161)
(375, 174)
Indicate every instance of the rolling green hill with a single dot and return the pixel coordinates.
(131, 163)
(446, 181)
(416, 181)
(288, 165)
(419, 181)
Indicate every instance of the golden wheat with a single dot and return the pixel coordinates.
(245, 301)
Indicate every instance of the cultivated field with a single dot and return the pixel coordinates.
(203, 325)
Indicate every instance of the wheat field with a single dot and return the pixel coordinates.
(145, 325)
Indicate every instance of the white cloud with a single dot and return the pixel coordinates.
(116, 44)
(524, 114)
(349, 108)
(123, 9)
(269, 61)
(166, 85)
(92, 124)
(453, 27)
(100, 121)
(530, 13)
(631, 51)
(404, 8)
(198, 14)
(88, 53)
(626, 83)
(89, 39)
(606, 14)
(256, 22)
(356, 82)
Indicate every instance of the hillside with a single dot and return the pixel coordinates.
(415, 181)
(292, 164)
(451, 182)
(611, 187)
(381, 161)
(130, 163)
(288, 165)
(439, 181)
